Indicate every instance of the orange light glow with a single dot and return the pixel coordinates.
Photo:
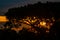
(42, 23)
(26, 22)
(3, 19)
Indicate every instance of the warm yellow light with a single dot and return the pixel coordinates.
(42, 23)
(32, 21)
(3, 19)
(26, 22)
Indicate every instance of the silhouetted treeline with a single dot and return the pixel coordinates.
(48, 9)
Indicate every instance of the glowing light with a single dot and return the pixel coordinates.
(3, 19)
(26, 22)
(34, 17)
(32, 21)
(37, 22)
(43, 23)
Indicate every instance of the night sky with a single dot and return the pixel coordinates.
(6, 4)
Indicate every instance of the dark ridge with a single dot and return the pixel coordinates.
(48, 9)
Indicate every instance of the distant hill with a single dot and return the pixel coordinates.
(48, 9)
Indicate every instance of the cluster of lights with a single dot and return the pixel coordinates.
(34, 21)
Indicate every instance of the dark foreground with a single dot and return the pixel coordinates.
(25, 35)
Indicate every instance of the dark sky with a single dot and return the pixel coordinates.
(6, 4)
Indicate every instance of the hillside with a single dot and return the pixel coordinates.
(48, 9)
